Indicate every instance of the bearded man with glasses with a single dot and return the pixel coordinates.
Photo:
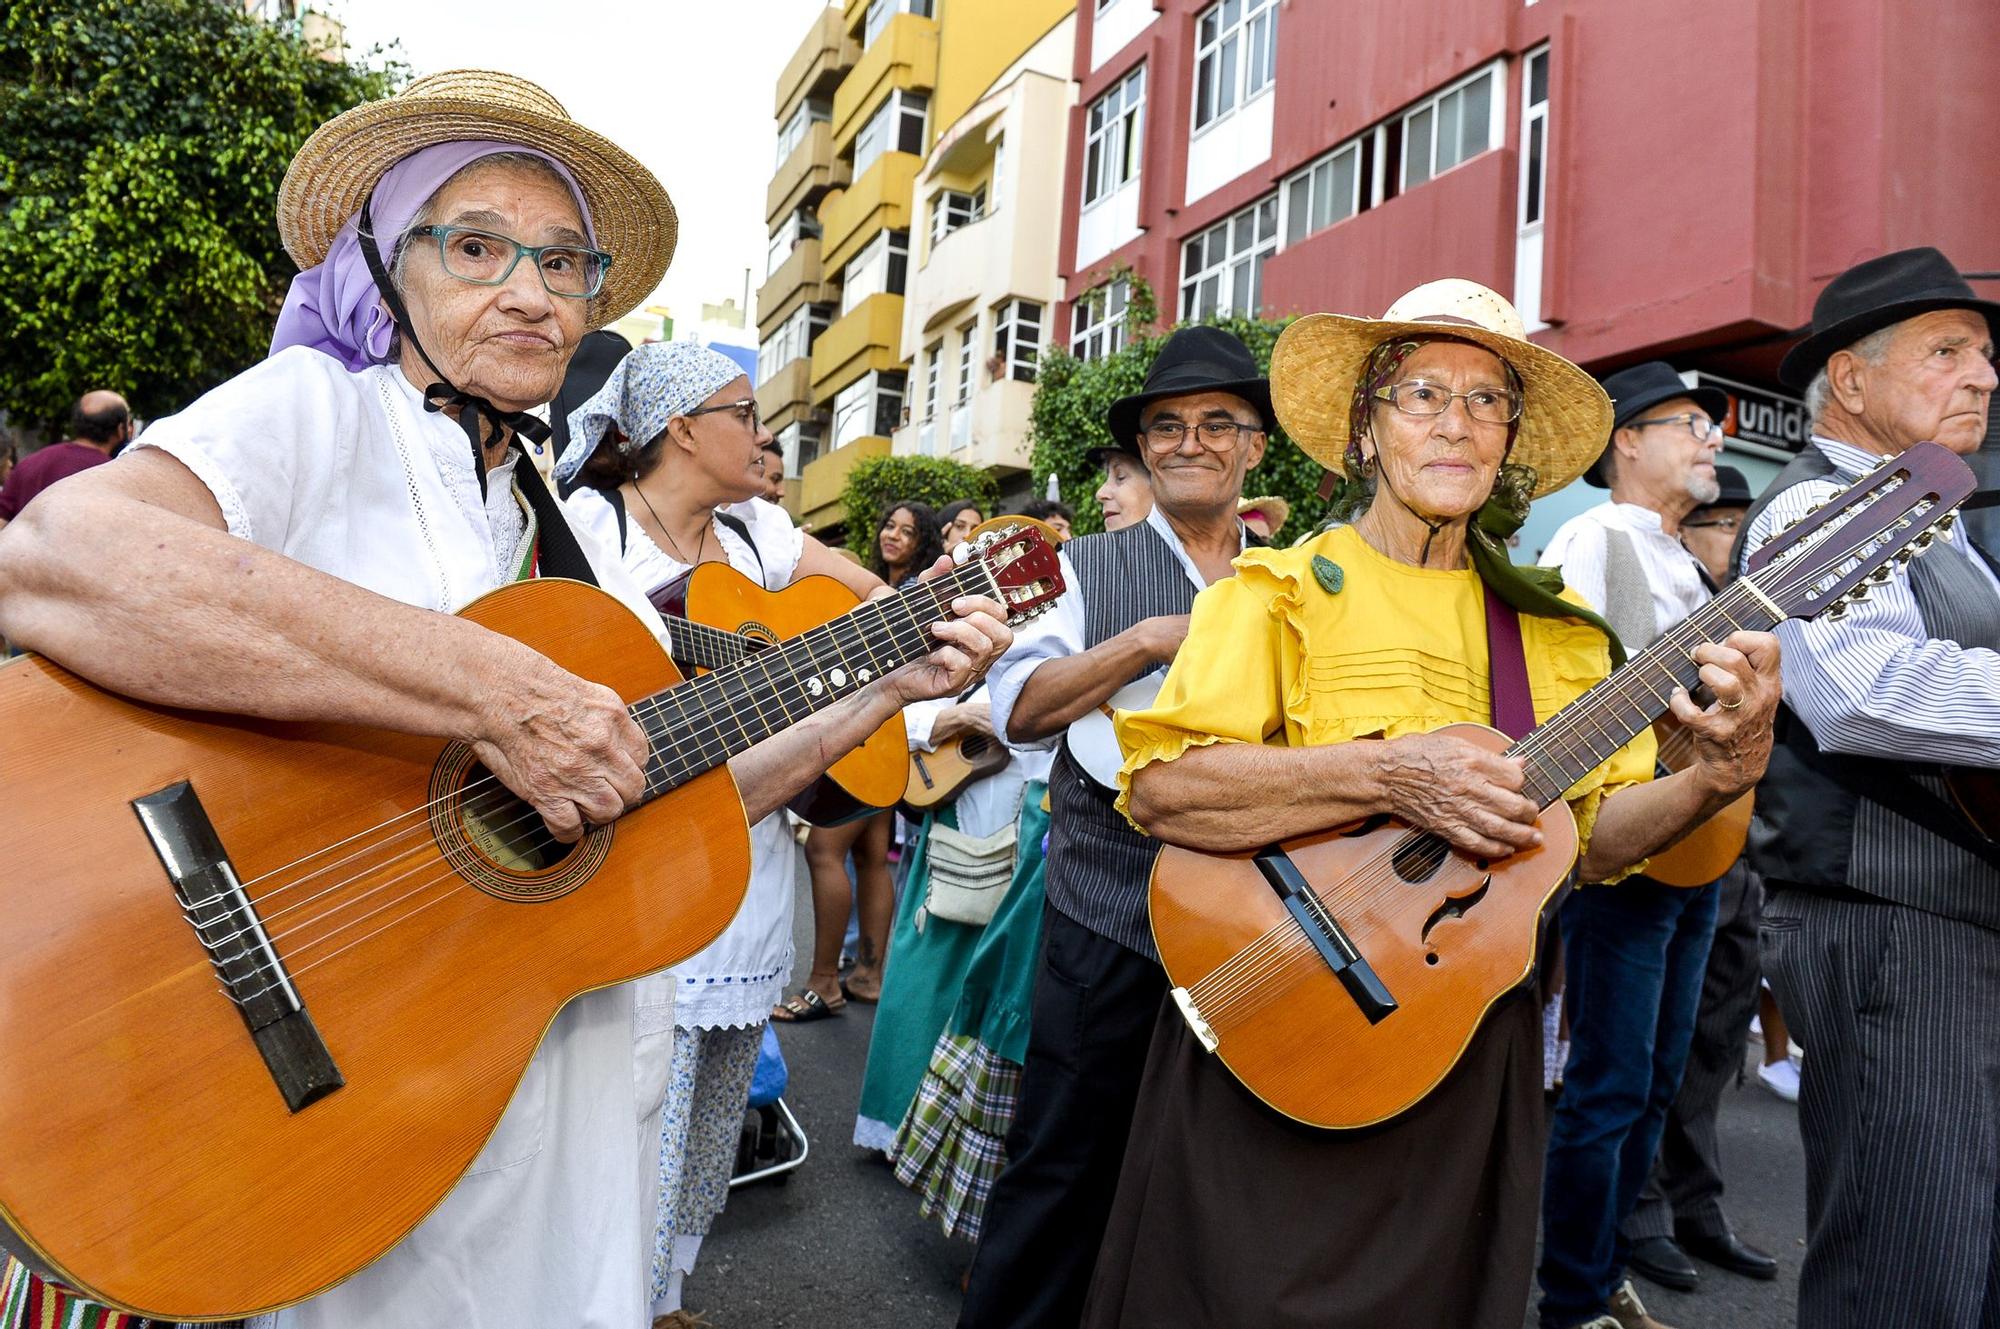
(1199, 426)
(1634, 955)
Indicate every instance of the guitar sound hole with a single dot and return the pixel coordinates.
(507, 831)
(1417, 858)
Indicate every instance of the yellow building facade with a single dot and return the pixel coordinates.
(907, 129)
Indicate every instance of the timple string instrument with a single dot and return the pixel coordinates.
(268, 987)
(1707, 851)
(1340, 975)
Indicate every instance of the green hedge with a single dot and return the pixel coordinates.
(1072, 396)
(880, 481)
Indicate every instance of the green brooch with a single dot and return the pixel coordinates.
(1328, 574)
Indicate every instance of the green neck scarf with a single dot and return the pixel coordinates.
(1526, 590)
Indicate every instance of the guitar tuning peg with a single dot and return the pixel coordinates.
(1880, 575)
(1946, 522)
(1836, 610)
(1923, 542)
(1859, 593)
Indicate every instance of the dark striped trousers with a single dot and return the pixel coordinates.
(1899, 1013)
(1686, 1182)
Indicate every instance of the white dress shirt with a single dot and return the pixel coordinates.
(1672, 573)
(1875, 683)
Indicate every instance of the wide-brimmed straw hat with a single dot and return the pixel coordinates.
(1565, 416)
(1276, 510)
(336, 170)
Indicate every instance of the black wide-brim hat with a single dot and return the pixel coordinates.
(1872, 295)
(1197, 359)
(1732, 489)
(1639, 389)
(1120, 448)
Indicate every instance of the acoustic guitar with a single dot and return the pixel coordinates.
(938, 777)
(268, 987)
(1710, 849)
(1340, 975)
(720, 617)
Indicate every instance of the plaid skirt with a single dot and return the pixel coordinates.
(951, 1144)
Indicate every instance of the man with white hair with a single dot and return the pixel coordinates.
(1881, 929)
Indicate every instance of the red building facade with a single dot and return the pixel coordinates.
(1645, 179)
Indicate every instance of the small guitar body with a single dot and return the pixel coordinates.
(1445, 936)
(935, 778)
(866, 780)
(1710, 849)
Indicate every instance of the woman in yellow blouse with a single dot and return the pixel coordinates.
(1439, 413)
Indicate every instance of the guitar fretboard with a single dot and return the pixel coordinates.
(701, 724)
(1590, 729)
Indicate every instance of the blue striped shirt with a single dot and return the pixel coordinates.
(1876, 683)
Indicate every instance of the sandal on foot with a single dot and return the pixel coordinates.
(852, 995)
(806, 1007)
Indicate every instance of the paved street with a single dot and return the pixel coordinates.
(840, 1243)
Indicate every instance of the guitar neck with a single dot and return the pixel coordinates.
(699, 646)
(1585, 733)
(701, 724)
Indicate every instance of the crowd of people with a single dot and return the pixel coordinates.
(437, 419)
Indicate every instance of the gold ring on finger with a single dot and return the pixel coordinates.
(1732, 705)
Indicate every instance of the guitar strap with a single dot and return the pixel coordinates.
(1507, 664)
(557, 553)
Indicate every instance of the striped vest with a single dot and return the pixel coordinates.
(1098, 865)
(1816, 828)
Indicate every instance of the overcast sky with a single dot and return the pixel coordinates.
(685, 87)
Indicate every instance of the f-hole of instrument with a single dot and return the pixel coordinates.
(498, 842)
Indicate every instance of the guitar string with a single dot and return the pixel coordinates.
(427, 843)
(1293, 939)
(919, 646)
(679, 743)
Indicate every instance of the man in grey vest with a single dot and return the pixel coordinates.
(1881, 930)
(1634, 953)
(1199, 425)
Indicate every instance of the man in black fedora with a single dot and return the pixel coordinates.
(1200, 424)
(1634, 953)
(1881, 927)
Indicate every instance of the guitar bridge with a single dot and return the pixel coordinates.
(1209, 1041)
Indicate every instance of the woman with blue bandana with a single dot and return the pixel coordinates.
(667, 457)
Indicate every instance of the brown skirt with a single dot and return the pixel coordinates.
(1230, 1215)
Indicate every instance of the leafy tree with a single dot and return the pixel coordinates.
(1072, 396)
(876, 483)
(141, 147)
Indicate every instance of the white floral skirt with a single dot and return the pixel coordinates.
(708, 1090)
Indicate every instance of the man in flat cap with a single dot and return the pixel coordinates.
(1881, 928)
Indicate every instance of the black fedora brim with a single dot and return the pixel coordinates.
(1806, 359)
(1123, 417)
(1713, 400)
(1098, 456)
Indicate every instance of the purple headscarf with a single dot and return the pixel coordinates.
(334, 308)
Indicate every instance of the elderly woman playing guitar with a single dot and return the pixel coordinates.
(293, 547)
(1303, 700)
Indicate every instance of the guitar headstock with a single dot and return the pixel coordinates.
(1832, 555)
(1022, 562)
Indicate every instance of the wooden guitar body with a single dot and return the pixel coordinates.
(1710, 849)
(1445, 948)
(867, 779)
(935, 778)
(146, 1138)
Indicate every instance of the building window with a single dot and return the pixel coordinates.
(1455, 125)
(794, 131)
(802, 225)
(882, 265)
(1235, 58)
(801, 443)
(793, 340)
(879, 13)
(933, 368)
(951, 209)
(1017, 338)
(1534, 139)
(1222, 269)
(1327, 191)
(968, 340)
(897, 125)
(868, 407)
(1097, 320)
(1112, 137)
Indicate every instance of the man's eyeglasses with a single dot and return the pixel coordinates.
(746, 411)
(486, 259)
(1421, 397)
(1713, 524)
(1700, 426)
(1215, 435)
